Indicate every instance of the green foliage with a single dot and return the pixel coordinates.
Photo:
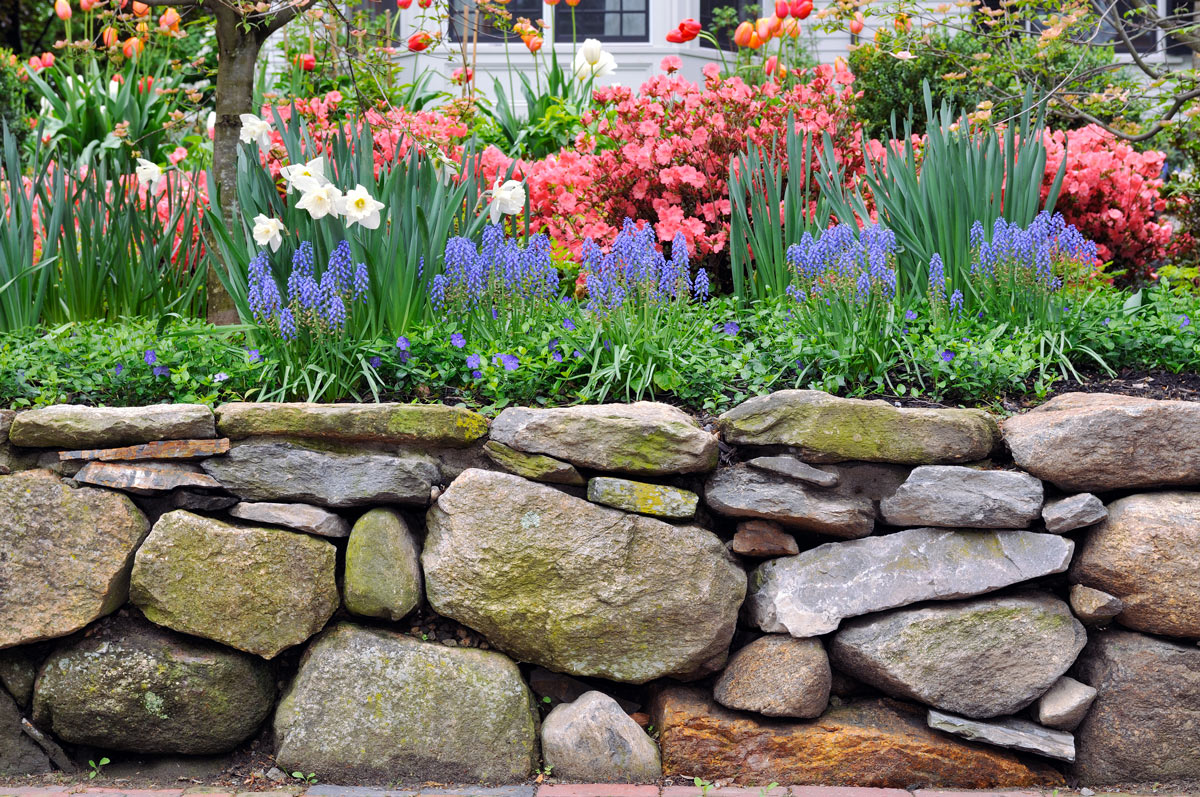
(551, 117)
(13, 95)
(95, 767)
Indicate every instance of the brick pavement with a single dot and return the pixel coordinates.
(556, 790)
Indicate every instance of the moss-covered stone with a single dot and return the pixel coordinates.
(825, 428)
(131, 686)
(255, 589)
(370, 706)
(537, 467)
(76, 426)
(656, 500)
(383, 572)
(428, 424)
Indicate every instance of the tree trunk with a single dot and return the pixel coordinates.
(238, 50)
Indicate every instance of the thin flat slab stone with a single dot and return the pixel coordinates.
(763, 539)
(301, 517)
(537, 467)
(745, 492)
(656, 500)
(1013, 733)
(143, 479)
(75, 426)
(1074, 512)
(795, 469)
(429, 424)
(160, 449)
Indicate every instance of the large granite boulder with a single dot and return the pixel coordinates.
(879, 743)
(76, 426)
(980, 658)
(19, 755)
(254, 589)
(579, 588)
(383, 568)
(432, 425)
(370, 706)
(825, 428)
(746, 492)
(592, 740)
(132, 686)
(65, 555)
(643, 438)
(288, 472)
(1099, 441)
(1144, 726)
(952, 496)
(1147, 553)
(810, 594)
(779, 676)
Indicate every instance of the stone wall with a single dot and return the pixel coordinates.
(808, 590)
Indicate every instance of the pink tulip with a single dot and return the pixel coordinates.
(62, 9)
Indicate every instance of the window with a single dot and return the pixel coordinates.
(607, 20)
(530, 9)
(707, 14)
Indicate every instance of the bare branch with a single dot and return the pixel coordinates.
(285, 15)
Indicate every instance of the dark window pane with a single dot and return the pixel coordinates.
(725, 35)
(1137, 27)
(1187, 16)
(530, 9)
(607, 20)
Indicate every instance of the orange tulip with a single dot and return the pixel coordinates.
(534, 43)
(87, 5)
(47, 60)
(109, 37)
(791, 28)
(140, 9)
(763, 28)
(133, 47)
(776, 25)
(755, 41)
(741, 36)
(856, 25)
(62, 9)
(169, 20)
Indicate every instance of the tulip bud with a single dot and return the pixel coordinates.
(133, 47)
(109, 37)
(404, 3)
(675, 36)
(763, 28)
(62, 9)
(140, 9)
(741, 36)
(307, 62)
(87, 5)
(47, 60)
(781, 8)
(419, 41)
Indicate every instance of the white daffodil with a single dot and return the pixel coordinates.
(314, 169)
(445, 168)
(359, 207)
(268, 232)
(151, 174)
(255, 129)
(507, 199)
(320, 200)
(593, 61)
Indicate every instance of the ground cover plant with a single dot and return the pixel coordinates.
(362, 237)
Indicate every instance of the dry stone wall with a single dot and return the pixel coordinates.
(807, 590)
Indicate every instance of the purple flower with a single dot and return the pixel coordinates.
(219, 377)
(1105, 321)
(151, 357)
(403, 344)
(1184, 321)
(477, 374)
(117, 371)
(731, 328)
(254, 357)
(457, 340)
(947, 356)
(509, 361)
(161, 370)
(578, 354)
(557, 355)
(568, 325)
(375, 362)
(404, 356)
(910, 315)
(474, 361)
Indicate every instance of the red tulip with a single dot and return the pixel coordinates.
(419, 41)
(145, 84)
(806, 8)
(47, 60)
(675, 36)
(781, 9)
(404, 3)
(87, 5)
(424, 3)
(307, 62)
(62, 9)
(691, 28)
(35, 63)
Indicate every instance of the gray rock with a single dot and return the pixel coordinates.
(1074, 512)
(372, 706)
(428, 425)
(202, 502)
(980, 658)
(254, 589)
(1094, 606)
(779, 676)
(826, 428)
(593, 741)
(288, 472)
(956, 497)
(383, 571)
(301, 517)
(19, 755)
(1065, 705)
(741, 491)
(131, 686)
(536, 467)
(810, 594)
(579, 588)
(655, 500)
(643, 438)
(76, 426)
(793, 468)
(18, 671)
(1013, 733)
(1144, 726)
(1099, 441)
(874, 481)
(6, 421)
(65, 555)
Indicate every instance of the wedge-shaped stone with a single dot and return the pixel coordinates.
(254, 589)
(1013, 733)
(952, 496)
(579, 588)
(763, 539)
(301, 517)
(129, 685)
(742, 491)
(65, 555)
(144, 479)
(1147, 553)
(288, 472)
(1074, 512)
(1094, 606)
(655, 500)
(795, 469)
(162, 449)
(1065, 705)
(875, 743)
(1100, 441)
(370, 706)
(644, 438)
(981, 658)
(428, 424)
(537, 467)
(810, 594)
(75, 426)
(826, 428)
(779, 676)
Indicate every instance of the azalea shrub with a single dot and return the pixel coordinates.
(1113, 194)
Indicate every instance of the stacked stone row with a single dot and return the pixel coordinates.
(812, 591)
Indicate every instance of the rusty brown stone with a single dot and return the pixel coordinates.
(162, 449)
(143, 479)
(763, 538)
(880, 743)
